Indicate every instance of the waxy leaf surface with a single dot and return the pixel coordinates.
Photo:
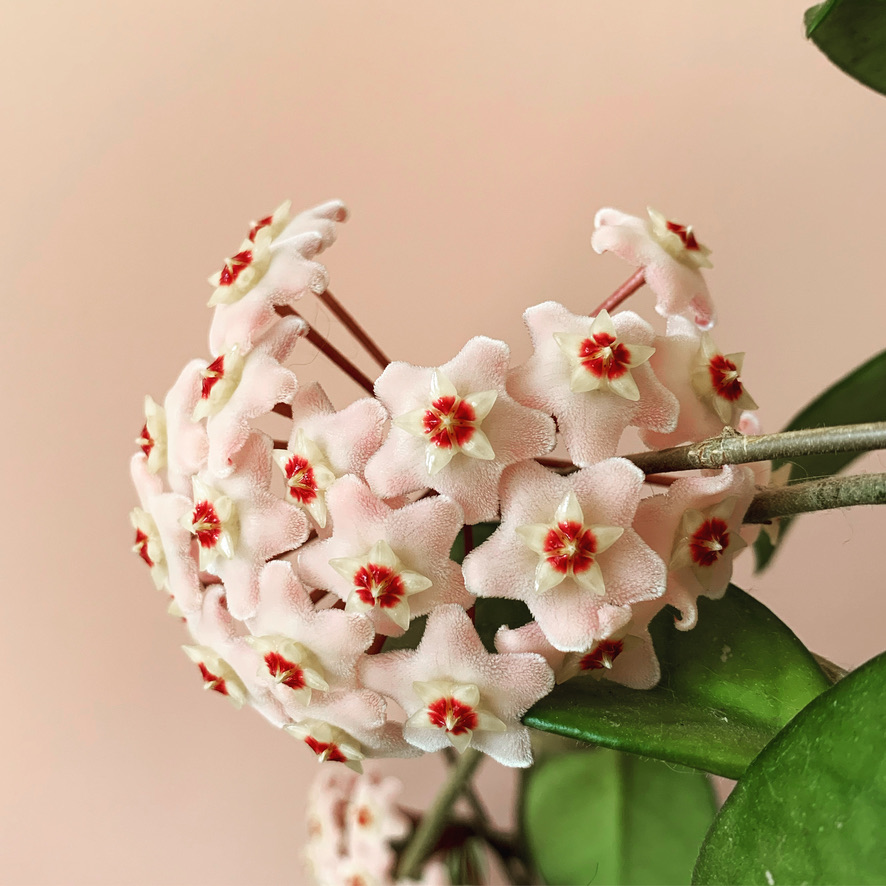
(728, 686)
(604, 817)
(812, 807)
(852, 34)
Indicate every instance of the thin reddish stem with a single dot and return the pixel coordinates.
(468, 533)
(330, 352)
(377, 644)
(627, 289)
(339, 604)
(318, 595)
(281, 444)
(347, 320)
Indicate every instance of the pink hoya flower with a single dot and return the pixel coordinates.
(188, 443)
(593, 376)
(239, 524)
(627, 657)
(455, 693)
(373, 816)
(455, 429)
(226, 661)
(390, 564)
(246, 313)
(325, 445)
(695, 526)
(152, 440)
(668, 252)
(349, 727)
(706, 382)
(161, 541)
(304, 652)
(236, 389)
(566, 548)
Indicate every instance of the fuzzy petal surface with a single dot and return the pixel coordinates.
(591, 422)
(514, 432)
(451, 650)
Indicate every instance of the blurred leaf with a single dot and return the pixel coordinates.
(728, 686)
(852, 34)
(856, 398)
(812, 807)
(479, 532)
(605, 817)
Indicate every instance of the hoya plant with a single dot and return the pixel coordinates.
(469, 561)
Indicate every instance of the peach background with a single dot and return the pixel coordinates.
(473, 143)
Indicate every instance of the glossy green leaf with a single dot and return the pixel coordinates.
(852, 34)
(856, 398)
(812, 807)
(605, 817)
(728, 686)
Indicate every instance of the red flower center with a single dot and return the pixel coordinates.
(217, 684)
(141, 544)
(364, 817)
(709, 541)
(602, 655)
(602, 356)
(724, 378)
(234, 266)
(329, 748)
(284, 671)
(451, 715)
(146, 441)
(212, 374)
(257, 226)
(450, 422)
(686, 236)
(570, 546)
(300, 479)
(379, 585)
(206, 524)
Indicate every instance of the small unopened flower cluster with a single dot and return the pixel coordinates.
(292, 594)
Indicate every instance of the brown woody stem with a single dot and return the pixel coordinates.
(817, 495)
(733, 448)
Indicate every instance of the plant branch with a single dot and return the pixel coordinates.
(817, 495)
(733, 448)
(434, 821)
(348, 321)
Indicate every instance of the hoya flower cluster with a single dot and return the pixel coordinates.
(297, 562)
(354, 822)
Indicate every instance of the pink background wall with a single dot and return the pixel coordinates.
(473, 143)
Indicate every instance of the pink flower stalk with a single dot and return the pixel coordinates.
(627, 657)
(456, 694)
(706, 382)
(390, 564)
(565, 546)
(325, 445)
(670, 255)
(455, 429)
(239, 524)
(247, 313)
(593, 376)
(303, 652)
(695, 526)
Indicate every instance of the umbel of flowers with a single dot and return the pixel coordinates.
(296, 562)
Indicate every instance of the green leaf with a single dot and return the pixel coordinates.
(812, 807)
(605, 817)
(852, 34)
(854, 399)
(728, 686)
